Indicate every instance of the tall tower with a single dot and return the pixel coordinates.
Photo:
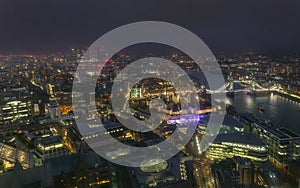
(230, 80)
(253, 82)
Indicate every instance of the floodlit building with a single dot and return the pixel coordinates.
(136, 92)
(50, 147)
(242, 144)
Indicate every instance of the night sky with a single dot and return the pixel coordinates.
(226, 26)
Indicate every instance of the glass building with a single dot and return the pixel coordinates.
(241, 144)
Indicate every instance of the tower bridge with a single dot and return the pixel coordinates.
(249, 86)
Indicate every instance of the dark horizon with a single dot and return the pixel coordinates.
(231, 27)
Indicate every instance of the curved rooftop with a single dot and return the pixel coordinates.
(154, 166)
(239, 137)
(228, 121)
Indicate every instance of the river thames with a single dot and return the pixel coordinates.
(282, 112)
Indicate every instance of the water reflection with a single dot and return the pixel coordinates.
(281, 111)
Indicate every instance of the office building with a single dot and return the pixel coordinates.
(49, 147)
(242, 144)
(283, 144)
(16, 109)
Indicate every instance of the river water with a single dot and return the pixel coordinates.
(281, 111)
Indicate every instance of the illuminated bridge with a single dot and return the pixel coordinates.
(248, 86)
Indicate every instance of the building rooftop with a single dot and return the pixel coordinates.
(272, 130)
(281, 133)
(240, 138)
(228, 121)
(250, 117)
(52, 104)
(50, 140)
(288, 132)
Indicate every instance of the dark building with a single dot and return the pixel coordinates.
(268, 176)
(245, 169)
(225, 174)
(234, 172)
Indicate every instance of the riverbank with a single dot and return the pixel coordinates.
(288, 96)
(279, 110)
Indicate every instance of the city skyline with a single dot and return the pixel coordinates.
(149, 94)
(257, 143)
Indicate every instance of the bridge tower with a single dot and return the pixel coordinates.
(253, 82)
(230, 81)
